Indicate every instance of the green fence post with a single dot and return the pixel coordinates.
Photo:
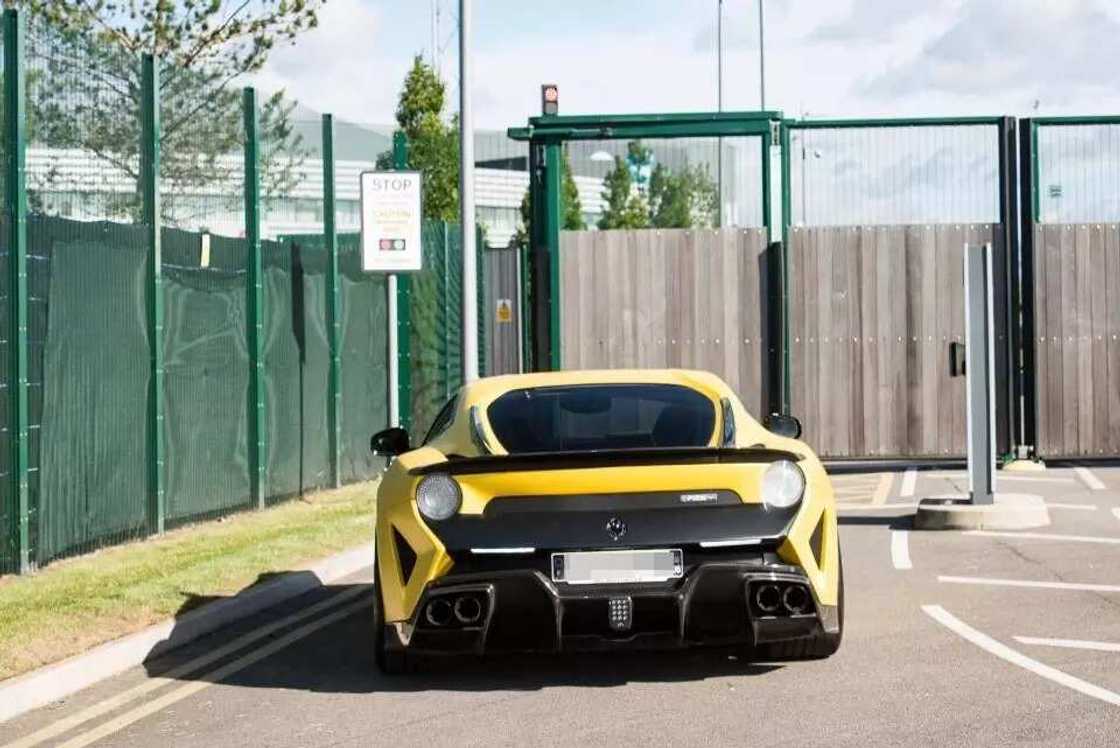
(334, 306)
(149, 175)
(404, 317)
(553, 191)
(255, 307)
(787, 214)
(481, 304)
(15, 197)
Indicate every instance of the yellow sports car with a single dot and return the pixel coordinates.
(604, 509)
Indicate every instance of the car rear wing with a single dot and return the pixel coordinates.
(604, 459)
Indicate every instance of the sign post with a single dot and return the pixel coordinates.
(391, 242)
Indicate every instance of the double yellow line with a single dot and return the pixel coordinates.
(198, 682)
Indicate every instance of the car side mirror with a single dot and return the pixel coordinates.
(783, 425)
(390, 442)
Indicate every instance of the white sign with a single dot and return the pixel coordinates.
(391, 218)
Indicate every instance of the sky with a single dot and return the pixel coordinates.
(835, 58)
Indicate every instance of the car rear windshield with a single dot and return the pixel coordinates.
(596, 417)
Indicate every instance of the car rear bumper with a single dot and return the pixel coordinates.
(714, 604)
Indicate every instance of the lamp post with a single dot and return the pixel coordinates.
(466, 199)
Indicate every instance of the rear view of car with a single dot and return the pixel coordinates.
(590, 510)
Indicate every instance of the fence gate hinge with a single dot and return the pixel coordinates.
(775, 133)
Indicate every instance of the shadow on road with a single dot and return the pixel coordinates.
(338, 658)
(894, 522)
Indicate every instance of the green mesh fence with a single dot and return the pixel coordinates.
(365, 373)
(206, 379)
(297, 358)
(8, 519)
(436, 319)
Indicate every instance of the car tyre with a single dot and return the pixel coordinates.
(813, 648)
(389, 655)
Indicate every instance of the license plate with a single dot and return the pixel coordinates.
(617, 567)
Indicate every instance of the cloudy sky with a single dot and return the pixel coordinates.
(825, 57)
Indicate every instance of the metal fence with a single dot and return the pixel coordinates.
(172, 352)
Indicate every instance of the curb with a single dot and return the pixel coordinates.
(54, 682)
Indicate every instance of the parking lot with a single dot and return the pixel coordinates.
(951, 638)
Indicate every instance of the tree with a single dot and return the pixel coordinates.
(433, 141)
(85, 90)
(685, 199)
(573, 209)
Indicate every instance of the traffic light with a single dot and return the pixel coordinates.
(550, 99)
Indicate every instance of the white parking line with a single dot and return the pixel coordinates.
(990, 645)
(909, 480)
(900, 549)
(1116, 512)
(1044, 536)
(841, 506)
(1082, 507)
(1069, 643)
(1089, 479)
(1003, 476)
(1031, 583)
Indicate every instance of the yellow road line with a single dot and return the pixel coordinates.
(208, 679)
(66, 724)
(883, 490)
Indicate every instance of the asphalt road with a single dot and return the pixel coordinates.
(951, 639)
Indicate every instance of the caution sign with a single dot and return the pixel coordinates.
(504, 311)
(391, 218)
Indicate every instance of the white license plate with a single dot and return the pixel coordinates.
(617, 567)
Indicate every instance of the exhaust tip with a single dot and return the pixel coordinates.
(768, 598)
(468, 609)
(438, 612)
(795, 599)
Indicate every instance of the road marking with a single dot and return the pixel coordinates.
(987, 643)
(900, 549)
(1044, 536)
(1116, 512)
(1089, 479)
(66, 724)
(1082, 507)
(883, 489)
(909, 480)
(1003, 476)
(1028, 583)
(210, 678)
(841, 506)
(1070, 643)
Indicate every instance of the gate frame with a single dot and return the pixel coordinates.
(1011, 375)
(546, 135)
(1030, 213)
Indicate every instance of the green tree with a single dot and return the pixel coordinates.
(84, 89)
(573, 209)
(433, 140)
(626, 206)
(683, 200)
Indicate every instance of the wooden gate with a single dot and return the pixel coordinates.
(683, 298)
(872, 312)
(502, 310)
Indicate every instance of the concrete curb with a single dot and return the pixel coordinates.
(1011, 511)
(53, 682)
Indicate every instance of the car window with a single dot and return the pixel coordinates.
(442, 420)
(596, 417)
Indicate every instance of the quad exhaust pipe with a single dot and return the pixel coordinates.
(782, 599)
(465, 610)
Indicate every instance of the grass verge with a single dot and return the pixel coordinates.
(78, 603)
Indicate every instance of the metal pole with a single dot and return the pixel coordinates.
(334, 308)
(255, 301)
(719, 105)
(761, 56)
(979, 370)
(157, 508)
(15, 198)
(400, 323)
(466, 196)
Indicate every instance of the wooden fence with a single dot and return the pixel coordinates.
(670, 298)
(1077, 339)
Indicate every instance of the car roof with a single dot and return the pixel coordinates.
(488, 388)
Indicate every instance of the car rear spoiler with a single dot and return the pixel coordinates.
(604, 459)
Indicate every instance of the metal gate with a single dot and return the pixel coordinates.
(1071, 315)
(501, 310)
